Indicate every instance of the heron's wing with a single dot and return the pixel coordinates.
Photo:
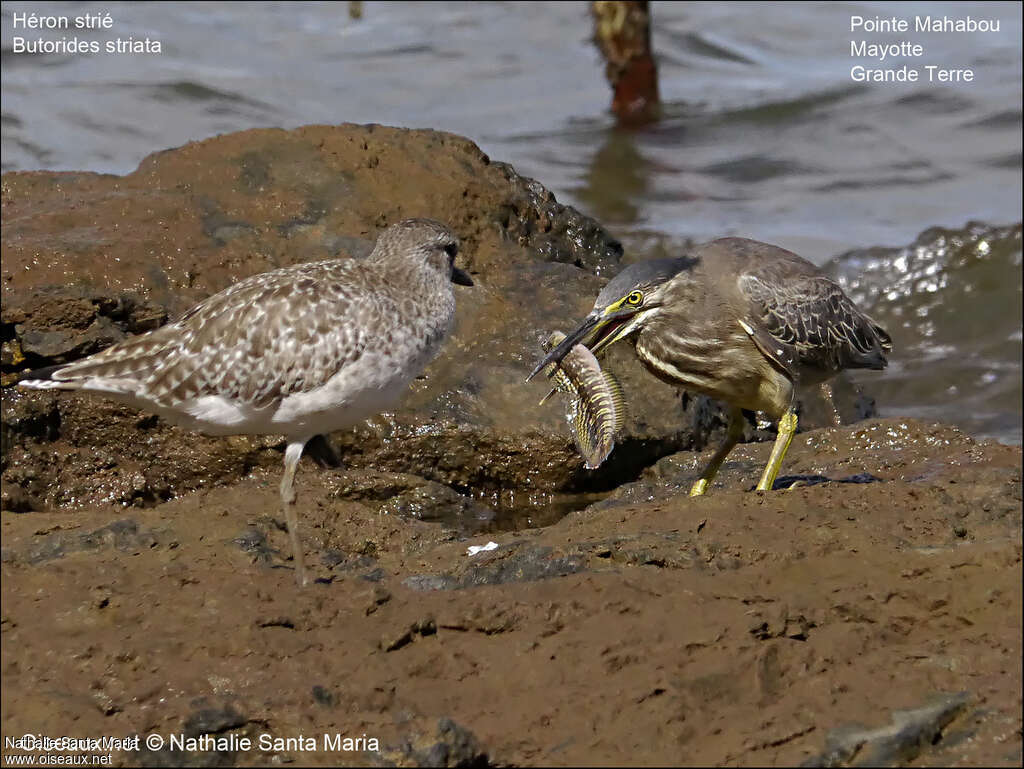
(263, 338)
(806, 319)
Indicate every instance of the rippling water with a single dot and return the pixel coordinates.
(765, 134)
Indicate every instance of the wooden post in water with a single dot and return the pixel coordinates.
(622, 31)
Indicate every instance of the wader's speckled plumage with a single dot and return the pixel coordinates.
(298, 351)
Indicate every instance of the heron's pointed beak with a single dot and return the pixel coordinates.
(597, 331)
(581, 334)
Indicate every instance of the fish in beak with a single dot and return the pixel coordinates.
(598, 330)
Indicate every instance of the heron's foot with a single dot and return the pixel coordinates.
(700, 487)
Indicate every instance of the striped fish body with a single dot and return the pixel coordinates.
(596, 409)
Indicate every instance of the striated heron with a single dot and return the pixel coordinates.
(741, 321)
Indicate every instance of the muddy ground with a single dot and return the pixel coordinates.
(871, 615)
(738, 629)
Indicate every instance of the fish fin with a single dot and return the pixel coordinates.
(617, 398)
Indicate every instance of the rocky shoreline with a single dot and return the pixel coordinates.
(872, 614)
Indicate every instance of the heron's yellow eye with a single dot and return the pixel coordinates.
(635, 298)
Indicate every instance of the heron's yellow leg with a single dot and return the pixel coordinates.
(787, 426)
(732, 436)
